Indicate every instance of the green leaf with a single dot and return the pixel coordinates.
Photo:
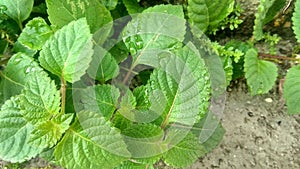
(273, 10)
(62, 12)
(14, 134)
(47, 133)
(101, 98)
(119, 51)
(228, 68)
(20, 48)
(144, 142)
(120, 122)
(91, 143)
(218, 10)
(261, 75)
(35, 34)
(68, 53)
(142, 98)
(292, 90)
(18, 10)
(184, 153)
(206, 13)
(260, 16)
(133, 112)
(109, 4)
(103, 66)
(151, 29)
(184, 80)
(296, 20)
(131, 165)
(209, 132)
(15, 74)
(40, 99)
(198, 14)
(132, 6)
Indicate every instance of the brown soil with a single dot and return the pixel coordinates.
(259, 134)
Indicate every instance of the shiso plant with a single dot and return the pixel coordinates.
(90, 87)
(125, 83)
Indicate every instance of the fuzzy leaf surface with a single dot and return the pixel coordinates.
(14, 134)
(18, 10)
(16, 74)
(132, 7)
(296, 20)
(40, 99)
(68, 53)
(103, 66)
(109, 4)
(184, 80)
(292, 90)
(261, 75)
(218, 10)
(144, 141)
(260, 16)
(151, 29)
(198, 14)
(62, 12)
(47, 133)
(35, 34)
(184, 153)
(208, 126)
(206, 13)
(102, 99)
(91, 143)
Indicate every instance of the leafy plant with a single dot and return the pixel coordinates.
(291, 85)
(65, 94)
(206, 14)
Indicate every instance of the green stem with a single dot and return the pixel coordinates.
(63, 95)
(20, 25)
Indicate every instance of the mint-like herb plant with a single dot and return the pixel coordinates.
(72, 91)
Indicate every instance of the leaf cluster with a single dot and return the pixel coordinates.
(65, 92)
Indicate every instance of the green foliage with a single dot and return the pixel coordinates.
(68, 53)
(109, 4)
(103, 66)
(206, 14)
(261, 18)
(16, 75)
(271, 40)
(189, 151)
(273, 10)
(89, 144)
(292, 90)
(35, 34)
(73, 106)
(228, 54)
(132, 6)
(18, 10)
(95, 13)
(40, 100)
(15, 132)
(261, 75)
(232, 21)
(296, 20)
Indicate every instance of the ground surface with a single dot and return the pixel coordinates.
(259, 134)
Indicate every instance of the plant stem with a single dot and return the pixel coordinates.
(20, 25)
(63, 95)
(264, 55)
